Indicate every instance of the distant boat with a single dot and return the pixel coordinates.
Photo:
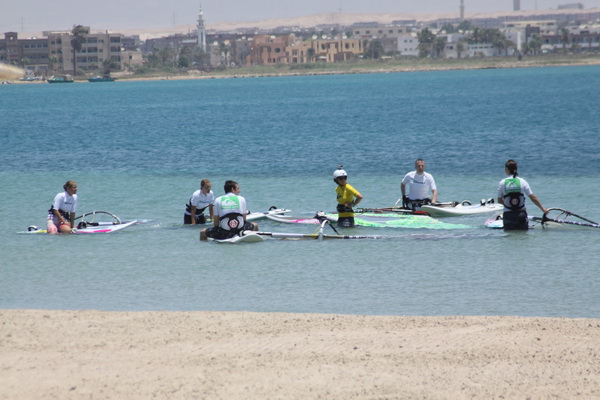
(60, 79)
(101, 79)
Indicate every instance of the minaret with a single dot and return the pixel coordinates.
(201, 30)
(462, 10)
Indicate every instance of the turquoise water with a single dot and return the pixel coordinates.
(139, 149)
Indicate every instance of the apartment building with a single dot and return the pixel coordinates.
(380, 31)
(53, 53)
(95, 49)
(408, 45)
(269, 49)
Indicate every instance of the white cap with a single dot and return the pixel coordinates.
(339, 172)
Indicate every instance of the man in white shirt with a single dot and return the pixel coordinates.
(230, 215)
(421, 183)
(200, 201)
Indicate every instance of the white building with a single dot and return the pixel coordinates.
(408, 45)
(480, 50)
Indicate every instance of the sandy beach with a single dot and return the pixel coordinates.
(245, 355)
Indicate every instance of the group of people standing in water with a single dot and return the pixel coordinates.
(228, 212)
(511, 193)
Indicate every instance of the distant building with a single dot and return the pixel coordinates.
(95, 50)
(380, 31)
(325, 50)
(201, 31)
(269, 49)
(53, 53)
(480, 50)
(516, 5)
(175, 42)
(408, 45)
(571, 6)
(546, 27)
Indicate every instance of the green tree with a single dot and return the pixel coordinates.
(167, 57)
(186, 54)
(460, 48)
(108, 66)
(77, 42)
(448, 28)
(565, 38)
(464, 26)
(439, 45)
(426, 39)
(374, 49)
(535, 44)
(201, 58)
(52, 61)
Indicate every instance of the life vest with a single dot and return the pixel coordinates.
(64, 214)
(513, 199)
(232, 222)
(342, 208)
(188, 208)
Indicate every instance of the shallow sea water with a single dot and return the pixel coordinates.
(139, 149)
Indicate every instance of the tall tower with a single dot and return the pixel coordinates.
(462, 10)
(201, 30)
(516, 5)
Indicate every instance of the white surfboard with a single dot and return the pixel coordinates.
(246, 237)
(260, 215)
(461, 209)
(101, 228)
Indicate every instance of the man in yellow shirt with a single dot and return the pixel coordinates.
(347, 197)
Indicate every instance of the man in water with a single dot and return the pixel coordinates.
(421, 183)
(230, 215)
(201, 200)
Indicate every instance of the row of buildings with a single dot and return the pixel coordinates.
(58, 52)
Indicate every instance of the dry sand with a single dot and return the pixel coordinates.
(244, 355)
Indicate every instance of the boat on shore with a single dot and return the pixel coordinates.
(60, 79)
(101, 79)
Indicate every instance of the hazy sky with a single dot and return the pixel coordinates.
(38, 15)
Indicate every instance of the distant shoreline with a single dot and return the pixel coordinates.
(364, 67)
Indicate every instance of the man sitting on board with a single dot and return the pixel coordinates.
(230, 215)
(420, 184)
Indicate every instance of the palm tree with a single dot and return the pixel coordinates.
(310, 54)
(108, 65)
(426, 39)
(51, 62)
(460, 48)
(535, 44)
(565, 38)
(77, 41)
(439, 44)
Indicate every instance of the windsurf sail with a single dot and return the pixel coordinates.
(565, 218)
(389, 210)
(377, 220)
(319, 234)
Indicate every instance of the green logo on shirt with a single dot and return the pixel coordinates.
(230, 203)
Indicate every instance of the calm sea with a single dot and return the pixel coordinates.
(139, 149)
